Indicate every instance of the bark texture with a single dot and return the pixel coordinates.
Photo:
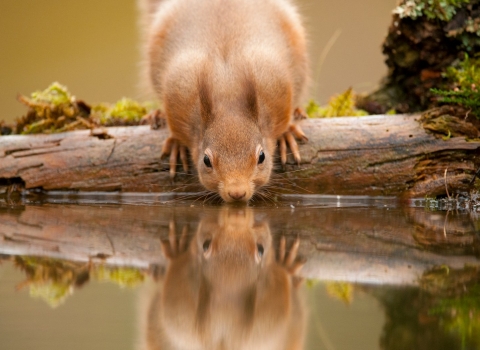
(400, 155)
(418, 50)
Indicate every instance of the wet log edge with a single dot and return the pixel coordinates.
(393, 155)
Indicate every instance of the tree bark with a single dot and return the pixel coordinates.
(418, 51)
(399, 155)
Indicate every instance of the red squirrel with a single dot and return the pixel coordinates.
(231, 75)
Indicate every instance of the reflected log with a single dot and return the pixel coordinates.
(365, 245)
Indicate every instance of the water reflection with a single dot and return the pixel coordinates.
(213, 277)
(443, 313)
(225, 288)
(53, 280)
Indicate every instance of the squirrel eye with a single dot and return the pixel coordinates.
(261, 157)
(260, 250)
(207, 162)
(206, 245)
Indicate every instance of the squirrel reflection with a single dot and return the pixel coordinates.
(226, 289)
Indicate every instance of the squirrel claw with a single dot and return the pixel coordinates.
(288, 138)
(173, 148)
(297, 131)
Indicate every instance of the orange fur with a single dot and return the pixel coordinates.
(230, 74)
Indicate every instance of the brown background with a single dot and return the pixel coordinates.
(91, 46)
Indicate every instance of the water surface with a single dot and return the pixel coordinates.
(306, 272)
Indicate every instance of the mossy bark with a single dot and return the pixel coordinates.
(418, 50)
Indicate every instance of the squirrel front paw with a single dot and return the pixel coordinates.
(173, 149)
(155, 118)
(288, 138)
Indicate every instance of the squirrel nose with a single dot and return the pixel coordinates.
(236, 195)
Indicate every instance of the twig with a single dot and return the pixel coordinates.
(446, 187)
(468, 112)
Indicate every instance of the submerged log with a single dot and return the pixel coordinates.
(399, 155)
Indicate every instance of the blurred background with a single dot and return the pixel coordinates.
(92, 47)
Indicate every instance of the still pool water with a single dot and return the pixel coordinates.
(131, 271)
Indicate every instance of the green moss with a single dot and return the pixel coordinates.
(391, 111)
(443, 10)
(56, 94)
(338, 106)
(465, 74)
(52, 110)
(470, 99)
(463, 79)
(55, 110)
(124, 112)
(54, 101)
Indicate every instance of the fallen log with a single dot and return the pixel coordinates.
(394, 155)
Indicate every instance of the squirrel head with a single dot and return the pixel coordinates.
(234, 157)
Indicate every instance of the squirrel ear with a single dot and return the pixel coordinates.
(205, 95)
